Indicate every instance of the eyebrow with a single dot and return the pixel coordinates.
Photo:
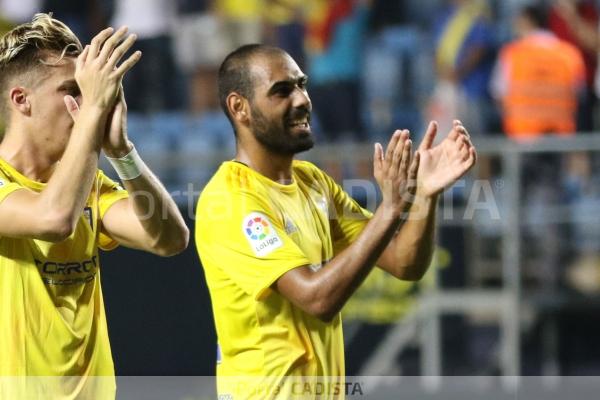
(286, 83)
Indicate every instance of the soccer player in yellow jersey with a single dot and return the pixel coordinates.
(62, 105)
(283, 246)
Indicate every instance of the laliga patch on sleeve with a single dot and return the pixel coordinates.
(260, 234)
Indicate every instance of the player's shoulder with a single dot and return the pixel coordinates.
(5, 170)
(9, 175)
(307, 170)
(232, 181)
(231, 177)
(102, 176)
(4, 177)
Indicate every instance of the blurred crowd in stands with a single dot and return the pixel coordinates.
(514, 68)
(374, 65)
(507, 68)
(520, 68)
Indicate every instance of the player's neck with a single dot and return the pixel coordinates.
(276, 167)
(27, 158)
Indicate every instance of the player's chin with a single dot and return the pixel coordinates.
(300, 138)
(303, 143)
(301, 134)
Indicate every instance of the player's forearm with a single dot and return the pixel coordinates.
(69, 187)
(412, 247)
(338, 280)
(158, 214)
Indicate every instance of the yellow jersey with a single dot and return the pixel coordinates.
(250, 231)
(52, 320)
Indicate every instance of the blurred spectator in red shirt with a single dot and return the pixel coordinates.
(576, 22)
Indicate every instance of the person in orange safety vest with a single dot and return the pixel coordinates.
(537, 80)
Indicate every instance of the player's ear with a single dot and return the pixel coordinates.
(238, 107)
(19, 100)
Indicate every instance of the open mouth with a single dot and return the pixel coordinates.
(300, 124)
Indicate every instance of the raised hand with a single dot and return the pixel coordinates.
(396, 173)
(115, 143)
(445, 163)
(96, 71)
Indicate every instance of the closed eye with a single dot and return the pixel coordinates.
(71, 88)
(74, 91)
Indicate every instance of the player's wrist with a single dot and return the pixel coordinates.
(423, 204)
(390, 211)
(95, 109)
(424, 192)
(120, 151)
(129, 166)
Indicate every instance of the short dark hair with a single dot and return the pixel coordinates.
(536, 14)
(235, 73)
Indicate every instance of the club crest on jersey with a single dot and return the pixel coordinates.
(260, 233)
(87, 213)
(2, 183)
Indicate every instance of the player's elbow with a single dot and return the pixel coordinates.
(174, 244)
(308, 291)
(324, 311)
(412, 272)
(56, 228)
(327, 317)
(413, 266)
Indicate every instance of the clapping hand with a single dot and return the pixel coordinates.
(443, 164)
(396, 173)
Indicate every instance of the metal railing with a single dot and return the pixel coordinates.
(506, 302)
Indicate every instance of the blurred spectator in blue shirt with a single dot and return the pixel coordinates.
(392, 67)
(464, 55)
(285, 27)
(335, 68)
(85, 18)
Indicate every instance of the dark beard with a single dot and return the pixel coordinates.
(277, 139)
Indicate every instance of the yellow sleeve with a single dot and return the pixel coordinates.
(109, 192)
(349, 218)
(7, 187)
(240, 234)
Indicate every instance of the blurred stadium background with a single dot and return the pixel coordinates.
(515, 289)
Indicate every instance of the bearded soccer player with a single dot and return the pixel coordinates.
(62, 105)
(283, 246)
